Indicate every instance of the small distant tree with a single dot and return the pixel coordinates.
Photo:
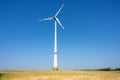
(117, 69)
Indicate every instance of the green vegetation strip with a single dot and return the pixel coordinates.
(1, 75)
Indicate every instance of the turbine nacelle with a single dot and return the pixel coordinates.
(54, 18)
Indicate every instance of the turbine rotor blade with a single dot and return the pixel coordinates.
(51, 18)
(59, 10)
(58, 21)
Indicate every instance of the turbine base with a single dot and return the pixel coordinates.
(55, 68)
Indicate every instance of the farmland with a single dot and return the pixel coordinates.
(58, 75)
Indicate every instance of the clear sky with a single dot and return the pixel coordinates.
(91, 38)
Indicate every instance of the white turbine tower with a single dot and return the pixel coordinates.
(55, 64)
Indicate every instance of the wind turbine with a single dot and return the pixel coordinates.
(56, 20)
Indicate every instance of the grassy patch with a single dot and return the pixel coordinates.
(1, 76)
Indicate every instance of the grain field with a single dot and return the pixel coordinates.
(59, 75)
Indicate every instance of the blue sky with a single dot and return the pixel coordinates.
(91, 38)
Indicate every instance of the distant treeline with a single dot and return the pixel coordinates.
(108, 69)
(103, 69)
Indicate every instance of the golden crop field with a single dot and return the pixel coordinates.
(59, 75)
